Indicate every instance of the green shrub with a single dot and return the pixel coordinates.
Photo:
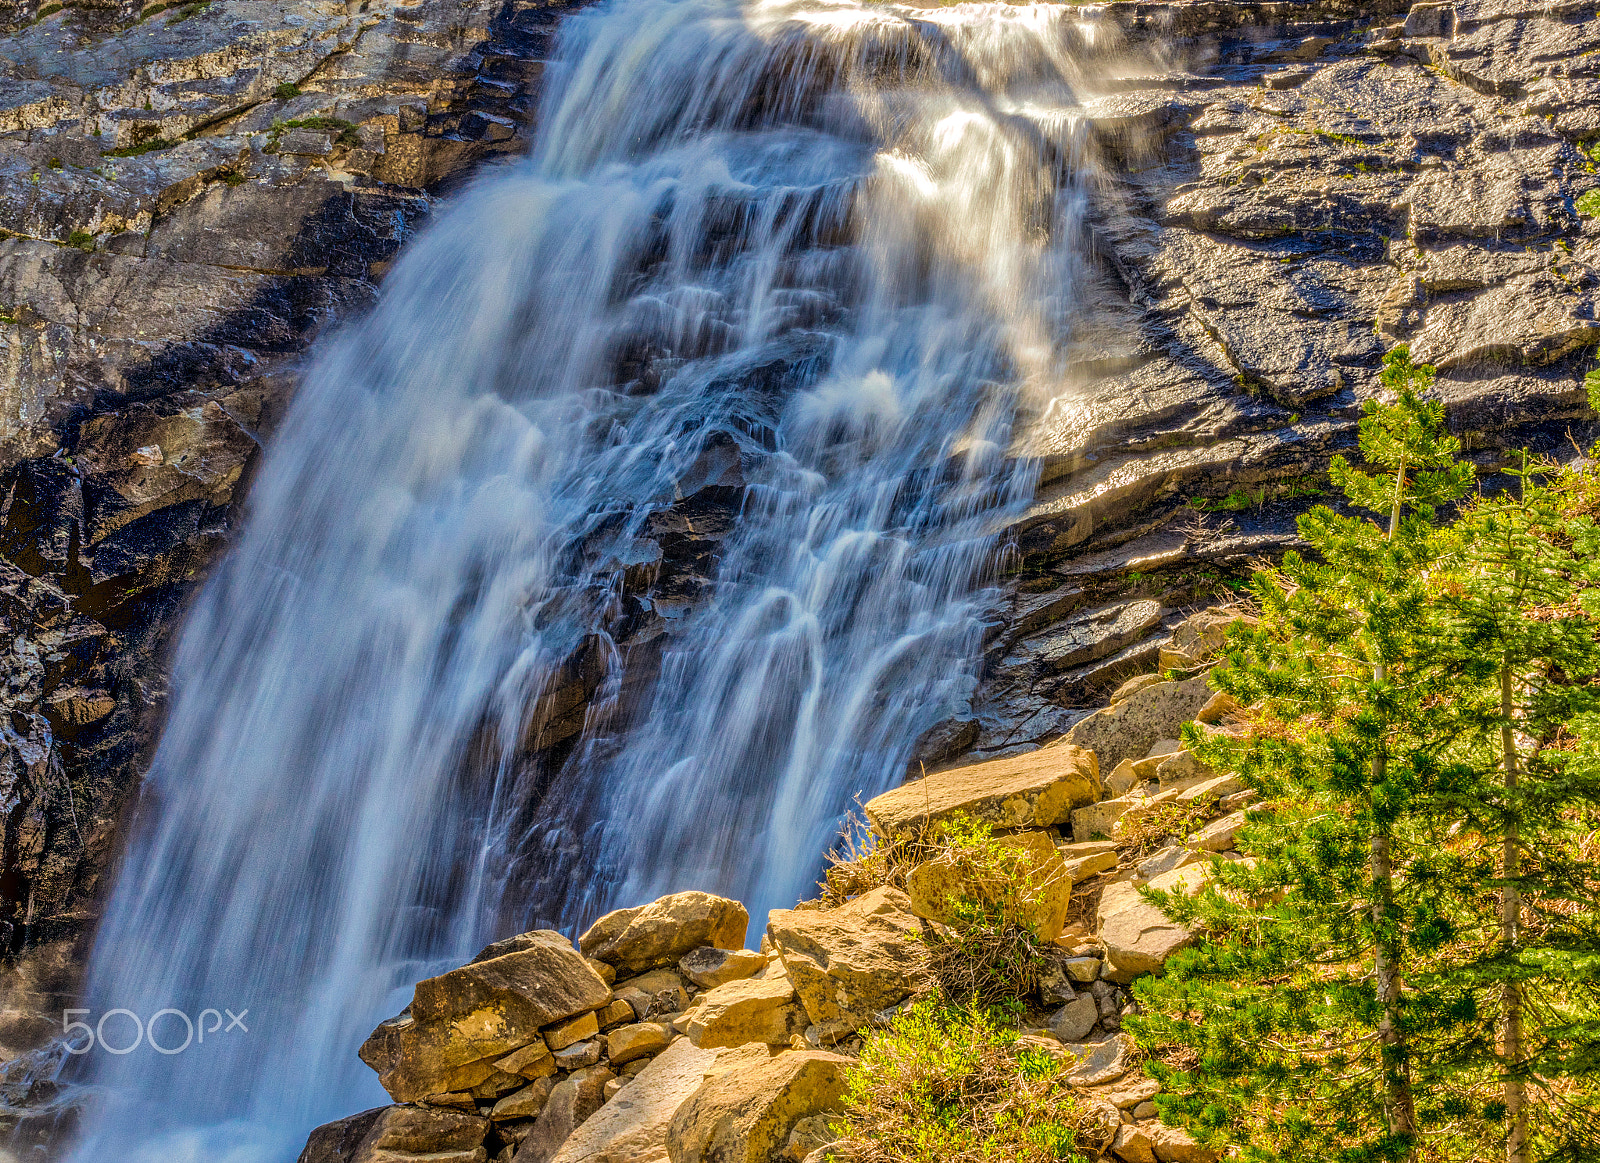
(953, 1084)
(1589, 204)
(287, 91)
(81, 239)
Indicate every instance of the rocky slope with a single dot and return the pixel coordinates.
(190, 194)
(660, 1039)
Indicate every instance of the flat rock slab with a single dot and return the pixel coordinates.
(1036, 790)
(632, 1127)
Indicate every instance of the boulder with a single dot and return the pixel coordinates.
(1218, 835)
(1172, 857)
(755, 1010)
(618, 1013)
(1129, 1092)
(746, 1115)
(532, 1061)
(1097, 1063)
(849, 963)
(1139, 937)
(1037, 789)
(1198, 637)
(659, 991)
(460, 1022)
(939, 888)
(571, 1102)
(578, 1055)
(393, 1134)
(525, 1103)
(632, 1127)
(1182, 771)
(1172, 1145)
(709, 967)
(1126, 729)
(626, 1043)
(663, 931)
(1082, 969)
(1073, 1021)
(1219, 786)
(1132, 1145)
(1133, 686)
(564, 1034)
(1101, 819)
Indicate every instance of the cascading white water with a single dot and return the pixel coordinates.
(840, 241)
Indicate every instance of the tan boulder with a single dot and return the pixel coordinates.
(746, 1115)
(626, 1043)
(1101, 819)
(1139, 937)
(1182, 770)
(532, 1061)
(389, 1134)
(1132, 1145)
(1035, 790)
(1097, 1063)
(754, 1010)
(1127, 729)
(571, 1102)
(1217, 785)
(660, 991)
(663, 931)
(1218, 835)
(941, 887)
(632, 1127)
(1133, 686)
(525, 1103)
(618, 1013)
(1173, 1145)
(849, 963)
(459, 1022)
(1074, 1020)
(709, 967)
(564, 1034)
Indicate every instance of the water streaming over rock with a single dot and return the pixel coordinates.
(763, 312)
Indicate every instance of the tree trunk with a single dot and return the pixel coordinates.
(1510, 924)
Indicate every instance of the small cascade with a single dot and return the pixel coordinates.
(705, 412)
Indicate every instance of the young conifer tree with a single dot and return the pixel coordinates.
(1521, 604)
(1296, 1031)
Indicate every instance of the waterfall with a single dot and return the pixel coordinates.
(812, 260)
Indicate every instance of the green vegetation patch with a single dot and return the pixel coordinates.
(346, 130)
(955, 1084)
(1589, 204)
(287, 91)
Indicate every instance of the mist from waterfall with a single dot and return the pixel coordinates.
(827, 251)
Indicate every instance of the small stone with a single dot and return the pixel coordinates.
(1134, 685)
(501, 1082)
(633, 1068)
(1219, 705)
(1130, 1092)
(811, 1133)
(1100, 1062)
(459, 1100)
(559, 1037)
(578, 1055)
(1145, 1110)
(613, 1086)
(626, 1043)
(532, 1061)
(1182, 770)
(1219, 785)
(608, 973)
(660, 991)
(1084, 867)
(1163, 748)
(1073, 1021)
(617, 1013)
(1173, 1145)
(1237, 800)
(1122, 779)
(709, 967)
(525, 1103)
(1166, 860)
(1218, 835)
(1132, 1145)
(1082, 969)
